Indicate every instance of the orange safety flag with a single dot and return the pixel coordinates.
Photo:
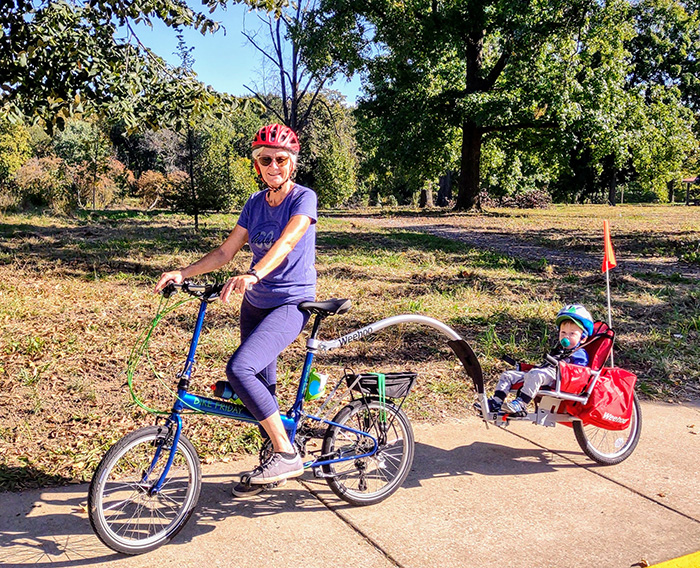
(609, 258)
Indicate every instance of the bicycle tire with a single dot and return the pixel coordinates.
(122, 513)
(610, 447)
(369, 480)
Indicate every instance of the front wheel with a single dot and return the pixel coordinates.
(368, 480)
(126, 513)
(610, 447)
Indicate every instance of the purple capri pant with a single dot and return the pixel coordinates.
(252, 369)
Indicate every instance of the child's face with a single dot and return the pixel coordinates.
(571, 331)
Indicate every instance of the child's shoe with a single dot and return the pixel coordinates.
(516, 408)
(494, 405)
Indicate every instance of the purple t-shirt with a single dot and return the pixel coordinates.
(294, 280)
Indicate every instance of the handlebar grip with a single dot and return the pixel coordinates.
(508, 359)
(208, 291)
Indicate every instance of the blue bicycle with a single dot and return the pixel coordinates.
(147, 485)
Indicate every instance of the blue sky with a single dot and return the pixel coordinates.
(225, 60)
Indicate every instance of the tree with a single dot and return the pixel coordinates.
(213, 177)
(329, 160)
(484, 74)
(85, 145)
(298, 87)
(15, 150)
(666, 47)
(63, 58)
(463, 69)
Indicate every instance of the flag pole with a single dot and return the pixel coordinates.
(607, 280)
(609, 261)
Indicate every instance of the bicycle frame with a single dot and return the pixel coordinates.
(187, 401)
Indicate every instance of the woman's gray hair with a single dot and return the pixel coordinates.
(292, 156)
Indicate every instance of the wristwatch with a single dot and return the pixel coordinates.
(253, 272)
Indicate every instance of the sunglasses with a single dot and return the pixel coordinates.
(279, 160)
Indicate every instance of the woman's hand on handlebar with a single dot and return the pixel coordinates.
(167, 277)
(238, 284)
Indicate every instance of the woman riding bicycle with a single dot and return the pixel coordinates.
(278, 224)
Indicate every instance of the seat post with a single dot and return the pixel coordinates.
(317, 323)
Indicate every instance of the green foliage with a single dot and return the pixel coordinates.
(214, 177)
(15, 150)
(97, 176)
(63, 58)
(82, 141)
(328, 159)
(334, 175)
(227, 177)
(666, 49)
(577, 98)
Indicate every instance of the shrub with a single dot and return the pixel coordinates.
(44, 181)
(103, 182)
(151, 187)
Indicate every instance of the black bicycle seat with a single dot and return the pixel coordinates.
(332, 307)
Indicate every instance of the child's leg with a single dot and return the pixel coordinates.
(534, 379)
(506, 382)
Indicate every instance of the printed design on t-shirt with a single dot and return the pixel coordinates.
(265, 236)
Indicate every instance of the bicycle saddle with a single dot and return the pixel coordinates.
(331, 307)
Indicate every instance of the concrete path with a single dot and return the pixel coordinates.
(476, 497)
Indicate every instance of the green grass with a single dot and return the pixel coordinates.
(75, 293)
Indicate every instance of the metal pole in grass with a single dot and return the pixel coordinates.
(609, 262)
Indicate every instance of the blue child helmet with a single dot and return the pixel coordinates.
(579, 315)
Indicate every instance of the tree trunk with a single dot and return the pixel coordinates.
(671, 191)
(612, 190)
(445, 189)
(469, 177)
(426, 197)
(190, 167)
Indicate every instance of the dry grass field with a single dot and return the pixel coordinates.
(76, 293)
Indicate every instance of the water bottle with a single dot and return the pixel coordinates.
(316, 387)
(223, 389)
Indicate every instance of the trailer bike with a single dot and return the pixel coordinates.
(598, 402)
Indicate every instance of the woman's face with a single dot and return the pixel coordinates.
(276, 166)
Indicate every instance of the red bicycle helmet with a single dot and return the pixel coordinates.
(277, 136)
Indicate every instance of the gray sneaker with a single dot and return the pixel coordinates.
(516, 408)
(244, 490)
(277, 468)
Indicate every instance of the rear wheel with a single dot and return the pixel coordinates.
(371, 479)
(610, 447)
(125, 512)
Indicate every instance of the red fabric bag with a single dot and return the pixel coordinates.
(610, 404)
(574, 378)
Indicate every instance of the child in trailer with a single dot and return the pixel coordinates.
(575, 325)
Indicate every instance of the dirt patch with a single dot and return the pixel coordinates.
(502, 233)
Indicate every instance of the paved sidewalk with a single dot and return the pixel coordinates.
(476, 497)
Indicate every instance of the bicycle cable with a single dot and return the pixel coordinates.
(141, 348)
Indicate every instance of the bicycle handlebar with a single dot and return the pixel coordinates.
(203, 291)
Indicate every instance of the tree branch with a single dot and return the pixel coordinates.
(260, 49)
(265, 103)
(498, 67)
